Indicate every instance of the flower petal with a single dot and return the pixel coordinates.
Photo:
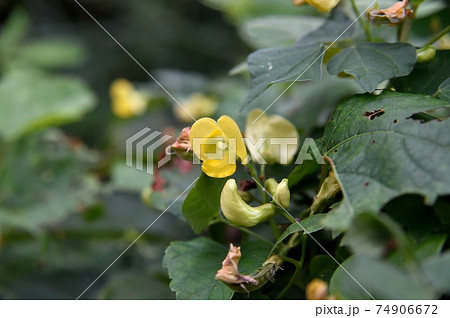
(222, 168)
(231, 130)
(201, 129)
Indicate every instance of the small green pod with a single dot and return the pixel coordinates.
(426, 54)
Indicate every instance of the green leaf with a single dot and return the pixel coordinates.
(323, 267)
(278, 30)
(432, 247)
(444, 90)
(308, 226)
(379, 152)
(368, 236)
(278, 65)
(49, 100)
(373, 63)
(436, 269)
(425, 79)
(14, 30)
(50, 53)
(331, 30)
(193, 265)
(44, 179)
(202, 203)
(380, 278)
(305, 169)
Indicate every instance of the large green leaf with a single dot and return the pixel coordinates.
(379, 152)
(193, 265)
(278, 65)
(425, 78)
(202, 203)
(373, 63)
(31, 100)
(50, 53)
(332, 30)
(380, 278)
(307, 226)
(437, 271)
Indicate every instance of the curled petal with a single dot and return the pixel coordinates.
(231, 130)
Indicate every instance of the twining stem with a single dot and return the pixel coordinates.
(298, 268)
(437, 36)
(364, 25)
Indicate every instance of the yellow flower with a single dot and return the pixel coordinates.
(281, 142)
(197, 106)
(321, 5)
(218, 144)
(126, 100)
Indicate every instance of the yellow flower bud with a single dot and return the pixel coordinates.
(271, 186)
(317, 290)
(197, 105)
(126, 100)
(282, 194)
(279, 191)
(240, 213)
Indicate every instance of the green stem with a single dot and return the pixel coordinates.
(292, 261)
(298, 268)
(275, 229)
(437, 36)
(287, 215)
(258, 181)
(364, 25)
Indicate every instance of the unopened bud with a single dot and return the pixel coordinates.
(317, 290)
(271, 185)
(240, 213)
(279, 191)
(282, 194)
